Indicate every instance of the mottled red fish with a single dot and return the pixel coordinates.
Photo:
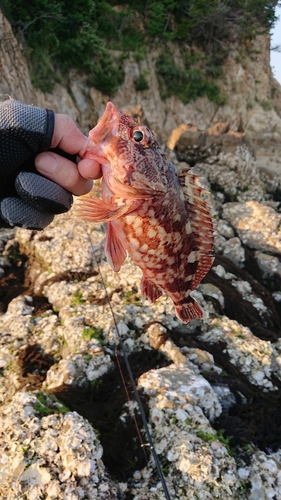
(154, 213)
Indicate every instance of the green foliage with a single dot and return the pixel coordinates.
(248, 448)
(91, 332)
(141, 83)
(117, 26)
(96, 383)
(78, 298)
(244, 486)
(62, 35)
(132, 298)
(207, 437)
(267, 105)
(9, 366)
(87, 357)
(165, 470)
(226, 441)
(48, 404)
(107, 75)
(59, 35)
(188, 84)
(158, 18)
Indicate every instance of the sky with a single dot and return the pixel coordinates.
(275, 57)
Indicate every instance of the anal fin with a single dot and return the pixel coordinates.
(150, 290)
(114, 250)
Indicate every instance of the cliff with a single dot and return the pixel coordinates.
(252, 96)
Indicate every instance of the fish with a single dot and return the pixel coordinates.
(154, 212)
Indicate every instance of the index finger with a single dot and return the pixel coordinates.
(66, 135)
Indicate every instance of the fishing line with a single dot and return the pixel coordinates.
(131, 410)
(136, 393)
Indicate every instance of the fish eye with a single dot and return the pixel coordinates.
(138, 136)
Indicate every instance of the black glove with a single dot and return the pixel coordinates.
(27, 199)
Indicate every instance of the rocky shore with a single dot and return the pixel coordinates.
(211, 389)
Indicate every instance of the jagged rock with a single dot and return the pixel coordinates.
(252, 355)
(193, 145)
(14, 74)
(54, 455)
(257, 225)
(181, 400)
(60, 101)
(218, 129)
(231, 140)
(191, 137)
(234, 251)
(224, 228)
(264, 125)
(234, 174)
(178, 132)
(268, 264)
(137, 113)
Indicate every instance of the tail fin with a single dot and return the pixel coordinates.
(189, 310)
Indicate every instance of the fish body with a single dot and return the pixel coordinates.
(154, 213)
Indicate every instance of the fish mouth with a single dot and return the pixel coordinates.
(106, 124)
(101, 134)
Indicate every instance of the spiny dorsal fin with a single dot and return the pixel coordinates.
(201, 223)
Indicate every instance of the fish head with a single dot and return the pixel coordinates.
(128, 151)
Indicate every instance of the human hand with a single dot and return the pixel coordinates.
(73, 177)
(26, 198)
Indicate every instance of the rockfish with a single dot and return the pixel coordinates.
(154, 213)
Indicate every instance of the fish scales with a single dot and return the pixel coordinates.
(154, 213)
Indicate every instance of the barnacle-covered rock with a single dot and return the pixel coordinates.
(184, 437)
(235, 174)
(58, 454)
(257, 225)
(253, 356)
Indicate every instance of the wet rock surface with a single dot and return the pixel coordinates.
(211, 390)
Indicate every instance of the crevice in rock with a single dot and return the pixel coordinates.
(101, 301)
(256, 415)
(103, 405)
(267, 326)
(272, 283)
(218, 188)
(256, 420)
(16, 281)
(40, 305)
(12, 283)
(277, 195)
(33, 365)
(67, 276)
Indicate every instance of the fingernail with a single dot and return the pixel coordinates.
(46, 163)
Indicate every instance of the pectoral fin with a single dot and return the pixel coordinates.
(96, 210)
(114, 250)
